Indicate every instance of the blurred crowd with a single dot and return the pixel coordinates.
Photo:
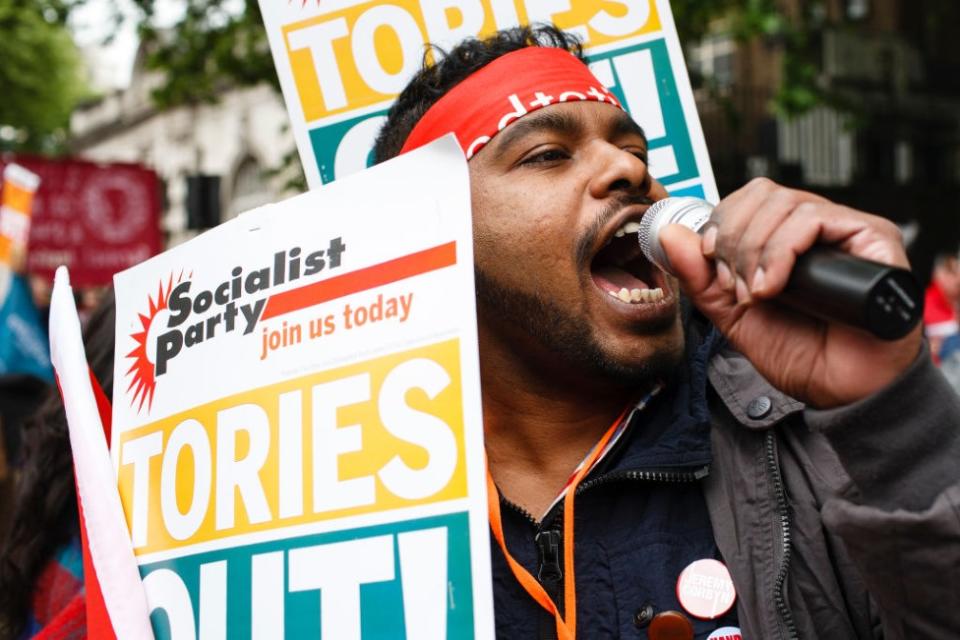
(941, 315)
(41, 571)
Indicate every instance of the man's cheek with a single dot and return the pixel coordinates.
(493, 256)
(657, 190)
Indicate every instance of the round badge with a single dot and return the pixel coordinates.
(726, 633)
(705, 589)
(670, 625)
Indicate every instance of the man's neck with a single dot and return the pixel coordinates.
(538, 431)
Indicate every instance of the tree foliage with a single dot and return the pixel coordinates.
(694, 18)
(793, 31)
(40, 75)
(213, 46)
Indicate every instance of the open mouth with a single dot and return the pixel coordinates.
(621, 270)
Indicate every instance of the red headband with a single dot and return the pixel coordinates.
(504, 91)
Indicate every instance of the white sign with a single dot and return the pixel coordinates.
(342, 63)
(297, 428)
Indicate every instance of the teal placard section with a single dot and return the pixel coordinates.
(677, 132)
(694, 190)
(381, 602)
(326, 140)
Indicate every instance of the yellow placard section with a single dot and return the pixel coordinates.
(369, 437)
(364, 55)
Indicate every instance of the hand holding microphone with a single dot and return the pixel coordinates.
(849, 327)
(825, 282)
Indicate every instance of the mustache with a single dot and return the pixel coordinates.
(582, 250)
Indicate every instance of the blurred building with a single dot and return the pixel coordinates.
(216, 160)
(891, 143)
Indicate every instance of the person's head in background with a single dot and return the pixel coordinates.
(941, 305)
(44, 519)
(946, 274)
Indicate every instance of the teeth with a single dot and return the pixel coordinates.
(630, 227)
(638, 295)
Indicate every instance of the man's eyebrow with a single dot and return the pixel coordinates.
(545, 120)
(624, 125)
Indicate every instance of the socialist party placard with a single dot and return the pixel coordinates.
(297, 426)
(341, 63)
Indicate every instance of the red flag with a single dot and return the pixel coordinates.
(98, 620)
(115, 599)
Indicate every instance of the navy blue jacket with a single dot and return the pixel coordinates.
(839, 523)
(641, 519)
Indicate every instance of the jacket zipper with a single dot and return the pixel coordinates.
(550, 575)
(523, 512)
(665, 475)
(773, 472)
(549, 570)
(549, 539)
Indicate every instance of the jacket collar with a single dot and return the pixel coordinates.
(673, 431)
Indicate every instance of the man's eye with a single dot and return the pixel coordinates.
(639, 153)
(548, 155)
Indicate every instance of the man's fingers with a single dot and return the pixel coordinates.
(753, 237)
(794, 236)
(757, 232)
(735, 212)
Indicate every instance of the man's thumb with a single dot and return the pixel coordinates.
(682, 247)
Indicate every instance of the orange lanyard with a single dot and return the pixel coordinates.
(566, 628)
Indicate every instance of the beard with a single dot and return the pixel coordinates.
(570, 337)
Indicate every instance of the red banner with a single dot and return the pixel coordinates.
(95, 218)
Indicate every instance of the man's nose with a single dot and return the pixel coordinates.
(617, 171)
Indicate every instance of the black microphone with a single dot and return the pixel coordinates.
(825, 283)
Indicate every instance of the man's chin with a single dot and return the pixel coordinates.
(575, 345)
(658, 359)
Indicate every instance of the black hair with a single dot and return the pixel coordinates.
(45, 504)
(434, 80)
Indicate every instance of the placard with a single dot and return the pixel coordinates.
(297, 424)
(341, 64)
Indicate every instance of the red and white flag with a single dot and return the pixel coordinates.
(116, 601)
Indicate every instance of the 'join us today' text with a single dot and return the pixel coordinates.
(185, 330)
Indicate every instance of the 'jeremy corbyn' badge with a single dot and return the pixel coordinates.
(705, 589)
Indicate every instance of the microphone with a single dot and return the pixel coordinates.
(825, 283)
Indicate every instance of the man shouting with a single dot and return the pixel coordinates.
(655, 442)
